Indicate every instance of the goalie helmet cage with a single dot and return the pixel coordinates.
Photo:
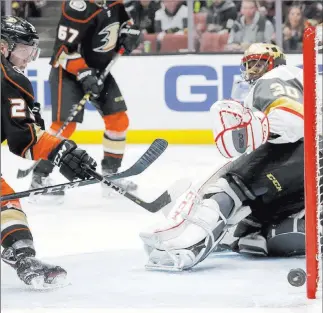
(312, 56)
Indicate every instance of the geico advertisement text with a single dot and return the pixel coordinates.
(161, 92)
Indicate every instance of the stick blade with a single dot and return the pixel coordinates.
(149, 157)
(23, 173)
(169, 197)
(154, 151)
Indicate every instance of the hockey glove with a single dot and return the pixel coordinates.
(36, 112)
(129, 38)
(87, 77)
(70, 159)
(237, 129)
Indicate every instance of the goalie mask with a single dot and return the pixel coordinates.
(259, 59)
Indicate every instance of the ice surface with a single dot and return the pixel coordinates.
(96, 241)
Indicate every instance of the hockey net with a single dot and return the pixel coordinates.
(313, 143)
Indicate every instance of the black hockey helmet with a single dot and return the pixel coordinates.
(101, 3)
(17, 30)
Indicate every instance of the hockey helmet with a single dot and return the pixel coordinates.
(100, 3)
(15, 30)
(259, 59)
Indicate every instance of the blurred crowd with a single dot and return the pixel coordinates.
(25, 8)
(221, 25)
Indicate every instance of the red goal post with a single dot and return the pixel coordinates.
(312, 56)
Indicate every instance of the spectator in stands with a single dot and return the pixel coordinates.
(251, 27)
(314, 13)
(27, 9)
(202, 6)
(267, 8)
(143, 14)
(18, 8)
(171, 17)
(293, 29)
(221, 16)
(34, 8)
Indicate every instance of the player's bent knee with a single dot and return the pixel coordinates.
(287, 238)
(67, 132)
(117, 122)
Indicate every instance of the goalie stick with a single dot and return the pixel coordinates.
(156, 149)
(76, 109)
(167, 197)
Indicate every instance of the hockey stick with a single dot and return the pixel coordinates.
(156, 149)
(76, 109)
(167, 197)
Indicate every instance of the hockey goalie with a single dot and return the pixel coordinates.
(260, 191)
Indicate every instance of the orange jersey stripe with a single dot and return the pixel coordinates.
(115, 3)
(6, 190)
(31, 128)
(14, 83)
(44, 146)
(59, 94)
(290, 111)
(73, 66)
(13, 231)
(76, 20)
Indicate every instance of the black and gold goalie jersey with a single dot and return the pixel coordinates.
(279, 94)
(87, 35)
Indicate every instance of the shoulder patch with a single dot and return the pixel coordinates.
(78, 5)
(79, 11)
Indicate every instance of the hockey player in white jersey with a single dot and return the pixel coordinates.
(261, 189)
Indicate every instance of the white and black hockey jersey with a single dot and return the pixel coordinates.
(279, 94)
(171, 23)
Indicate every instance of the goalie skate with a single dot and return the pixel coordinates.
(168, 260)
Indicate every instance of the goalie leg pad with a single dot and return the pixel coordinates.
(287, 238)
(193, 228)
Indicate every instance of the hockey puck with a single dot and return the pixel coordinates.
(296, 277)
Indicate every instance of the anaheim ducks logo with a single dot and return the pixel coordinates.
(110, 38)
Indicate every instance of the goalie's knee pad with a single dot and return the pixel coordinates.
(287, 238)
(229, 198)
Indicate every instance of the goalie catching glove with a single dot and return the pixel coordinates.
(238, 129)
(71, 160)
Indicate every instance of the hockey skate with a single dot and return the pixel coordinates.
(124, 183)
(40, 180)
(34, 272)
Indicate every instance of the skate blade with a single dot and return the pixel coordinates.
(60, 281)
(163, 268)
